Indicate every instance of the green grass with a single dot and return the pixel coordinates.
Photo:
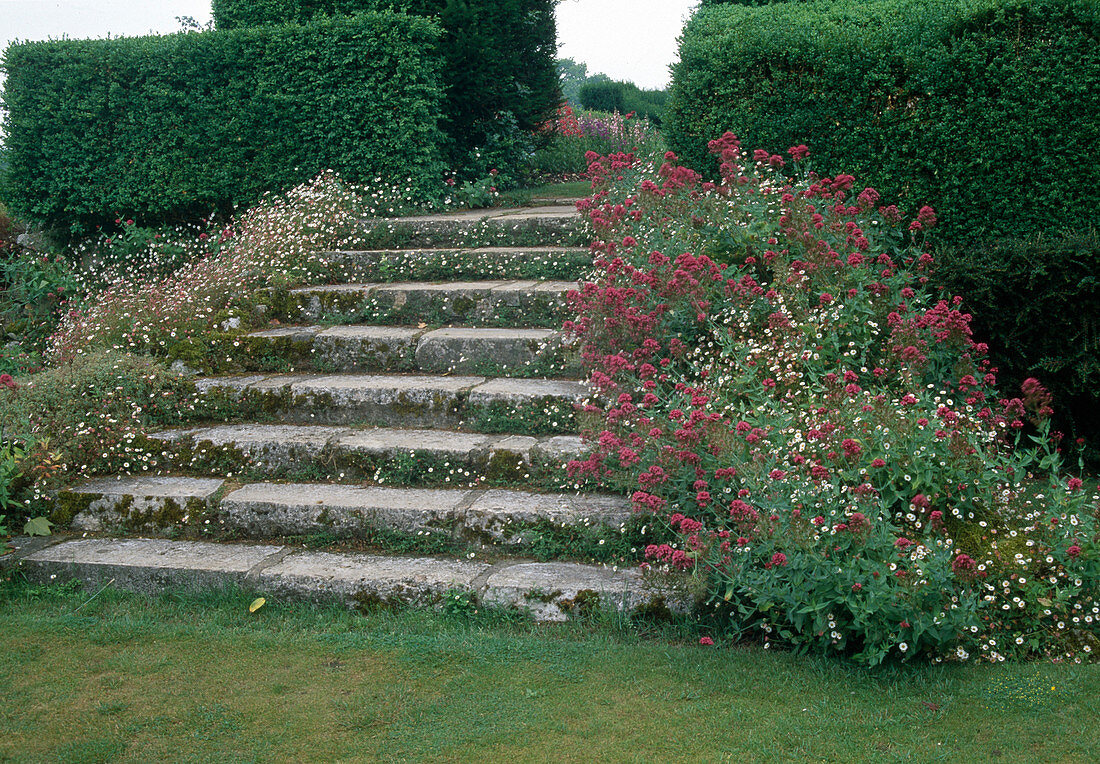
(565, 191)
(187, 678)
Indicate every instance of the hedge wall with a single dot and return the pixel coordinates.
(1037, 303)
(985, 109)
(499, 56)
(170, 126)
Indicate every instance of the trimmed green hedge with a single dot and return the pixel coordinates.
(171, 126)
(623, 97)
(499, 57)
(1037, 303)
(985, 109)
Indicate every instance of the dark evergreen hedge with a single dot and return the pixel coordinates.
(624, 97)
(499, 57)
(170, 126)
(1037, 303)
(984, 109)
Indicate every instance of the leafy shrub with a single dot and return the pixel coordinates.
(949, 91)
(498, 59)
(8, 231)
(172, 127)
(780, 380)
(92, 415)
(38, 289)
(1037, 302)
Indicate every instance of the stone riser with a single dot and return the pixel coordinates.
(444, 402)
(404, 349)
(202, 506)
(375, 455)
(567, 263)
(549, 227)
(551, 591)
(500, 303)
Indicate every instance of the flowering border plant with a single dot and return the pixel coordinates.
(778, 378)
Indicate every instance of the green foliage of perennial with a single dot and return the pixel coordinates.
(499, 58)
(172, 126)
(980, 105)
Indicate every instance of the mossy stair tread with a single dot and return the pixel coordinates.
(490, 287)
(350, 386)
(549, 589)
(371, 332)
(436, 251)
(489, 517)
(530, 504)
(262, 439)
(365, 347)
(565, 212)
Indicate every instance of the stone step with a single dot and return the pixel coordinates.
(350, 348)
(468, 517)
(514, 303)
(550, 591)
(372, 454)
(557, 224)
(483, 404)
(387, 265)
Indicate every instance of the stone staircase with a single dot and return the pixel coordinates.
(389, 440)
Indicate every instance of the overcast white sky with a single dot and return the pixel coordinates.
(627, 39)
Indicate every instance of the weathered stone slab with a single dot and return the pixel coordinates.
(272, 445)
(364, 348)
(234, 386)
(464, 349)
(447, 301)
(554, 590)
(511, 214)
(136, 504)
(551, 591)
(272, 509)
(148, 565)
(297, 333)
(385, 441)
(395, 400)
(560, 448)
(278, 382)
(370, 580)
(481, 262)
(518, 391)
(499, 516)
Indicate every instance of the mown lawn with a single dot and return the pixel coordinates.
(187, 678)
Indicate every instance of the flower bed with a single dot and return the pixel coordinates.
(781, 383)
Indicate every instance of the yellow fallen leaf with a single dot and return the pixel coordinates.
(256, 604)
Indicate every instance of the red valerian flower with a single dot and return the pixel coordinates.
(964, 566)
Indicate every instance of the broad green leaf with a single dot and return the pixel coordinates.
(257, 603)
(37, 526)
